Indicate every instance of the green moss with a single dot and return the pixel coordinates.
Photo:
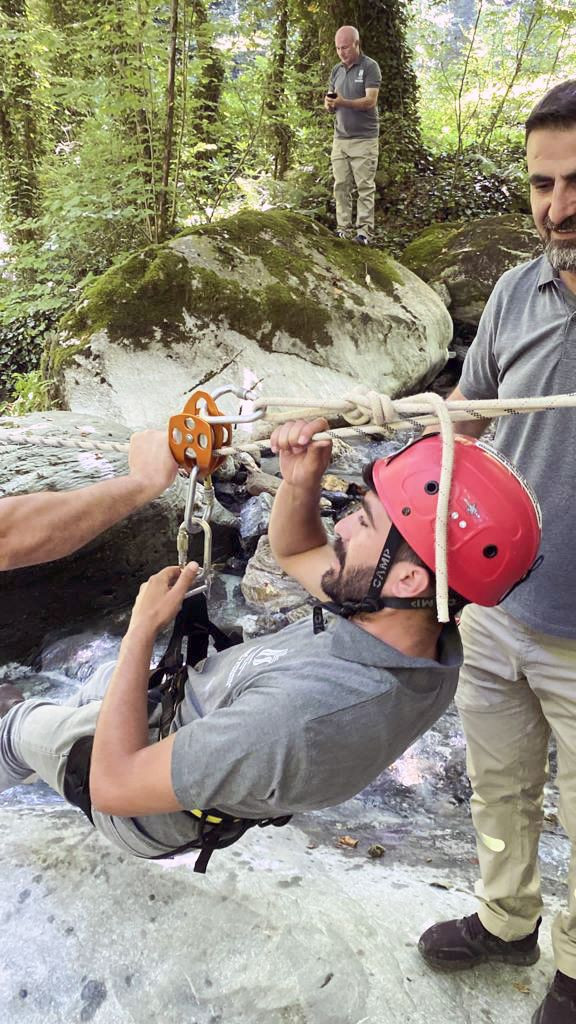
(273, 237)
(258, 314)
(215, 297)
(297, 315)
(355, 262)
(424, 250)
(149, 289)
(154, 288)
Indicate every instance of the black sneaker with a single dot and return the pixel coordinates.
(456, 945)
(362, 239)
(559, 1006)
(341, 234)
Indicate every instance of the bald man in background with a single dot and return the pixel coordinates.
(352, 97)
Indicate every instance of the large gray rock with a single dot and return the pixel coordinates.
(103, 577)
(465, 259)
(259, 295)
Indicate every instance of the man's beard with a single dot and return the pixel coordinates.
(346, 584)
(562, 255)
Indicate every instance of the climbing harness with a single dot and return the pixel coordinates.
(166, 689)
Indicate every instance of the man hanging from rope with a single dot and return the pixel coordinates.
(305, 718)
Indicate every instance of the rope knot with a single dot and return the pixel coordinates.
(368, 407)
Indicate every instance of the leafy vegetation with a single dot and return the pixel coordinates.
(124, 122)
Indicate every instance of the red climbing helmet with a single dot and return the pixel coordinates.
(494, 521)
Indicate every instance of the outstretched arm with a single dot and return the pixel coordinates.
(40, 527)
(297, 536)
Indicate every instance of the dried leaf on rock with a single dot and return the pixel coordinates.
(347, 841)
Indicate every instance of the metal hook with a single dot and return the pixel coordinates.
(196, 524)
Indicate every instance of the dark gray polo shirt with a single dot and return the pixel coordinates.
(526, 345)
(352, 83)
(297, 720)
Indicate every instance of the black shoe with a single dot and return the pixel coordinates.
(341, 234)
(456, 945)
(559, 1006)
(362, 239)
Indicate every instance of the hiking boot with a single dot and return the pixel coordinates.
(362, 239)
(9, 696)
(341, 234)
(559, 1006)
(456, 945)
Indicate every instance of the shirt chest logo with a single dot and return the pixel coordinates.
(257, 656)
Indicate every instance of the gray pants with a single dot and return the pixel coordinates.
(36, 737)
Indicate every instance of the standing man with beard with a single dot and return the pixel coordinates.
(518, 683)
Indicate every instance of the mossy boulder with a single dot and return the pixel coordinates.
(467, 258)
(270, 295)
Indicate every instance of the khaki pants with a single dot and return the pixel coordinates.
(354, 163)
(39, 735)
(517, 686)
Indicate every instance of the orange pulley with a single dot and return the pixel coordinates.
(193, 440)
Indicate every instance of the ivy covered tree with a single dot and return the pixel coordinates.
(21, 140)
(382, 25)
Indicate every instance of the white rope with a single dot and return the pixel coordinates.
(369, 412)
(441, 525)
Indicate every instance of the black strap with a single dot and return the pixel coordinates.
(77, 777)
(170, 676)
(392, 545)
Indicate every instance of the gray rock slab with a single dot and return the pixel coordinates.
(275, 933)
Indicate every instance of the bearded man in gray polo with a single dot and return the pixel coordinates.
(518, 682)
(352, 97)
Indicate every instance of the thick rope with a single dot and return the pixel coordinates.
(358, 409)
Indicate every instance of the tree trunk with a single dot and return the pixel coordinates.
(208, 87)
(276, 103)
(20, 137)
(169, 126)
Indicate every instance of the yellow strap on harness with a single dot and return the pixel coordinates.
(210, 818)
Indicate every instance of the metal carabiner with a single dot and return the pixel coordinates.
(197, 524)
(245, 394)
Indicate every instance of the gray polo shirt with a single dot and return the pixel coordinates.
(290, 722)
(352, 83)
(526, 345)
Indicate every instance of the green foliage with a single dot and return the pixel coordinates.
(482, 70)
(21, 346)
(89, 172)
(30, 392)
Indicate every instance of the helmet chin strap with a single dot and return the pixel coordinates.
(373, 602)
